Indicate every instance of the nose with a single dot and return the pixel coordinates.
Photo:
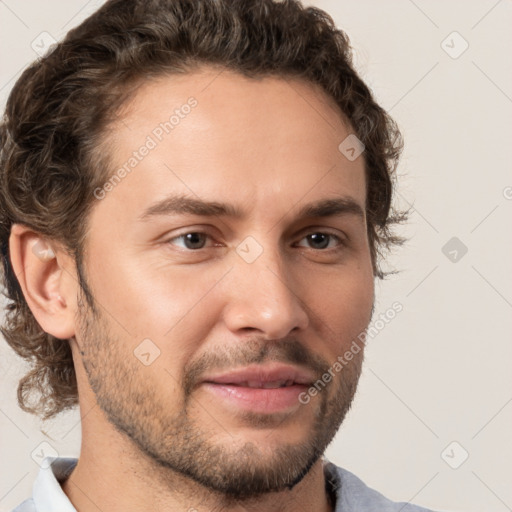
(263, 297)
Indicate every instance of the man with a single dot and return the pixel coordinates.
(194, 197)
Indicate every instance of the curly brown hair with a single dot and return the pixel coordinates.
(61, 106)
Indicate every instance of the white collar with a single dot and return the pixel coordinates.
(47, 493)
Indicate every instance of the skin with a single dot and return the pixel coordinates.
(268, 147)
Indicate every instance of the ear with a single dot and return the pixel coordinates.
(47, 278)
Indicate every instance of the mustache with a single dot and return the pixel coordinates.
(254, 351)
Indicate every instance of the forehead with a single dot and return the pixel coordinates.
(216, 134)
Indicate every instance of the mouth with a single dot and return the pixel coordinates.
(257, 388)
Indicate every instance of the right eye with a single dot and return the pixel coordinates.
(192, 241)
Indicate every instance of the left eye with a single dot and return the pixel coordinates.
(322, 240)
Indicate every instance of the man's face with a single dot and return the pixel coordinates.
(239, 314)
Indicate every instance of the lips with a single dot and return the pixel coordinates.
(260, 389)
(267, 377)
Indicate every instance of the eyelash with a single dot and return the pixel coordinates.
(341, 242)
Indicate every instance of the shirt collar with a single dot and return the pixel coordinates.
(333, 485)
(47, 493)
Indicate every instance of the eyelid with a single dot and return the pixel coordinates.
(341, 235)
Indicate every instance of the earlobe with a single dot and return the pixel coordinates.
(44, 274)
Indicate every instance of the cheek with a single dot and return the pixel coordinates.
(170, 306)
(152, 297)
(343, 306)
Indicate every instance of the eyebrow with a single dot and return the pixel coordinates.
(176, 205)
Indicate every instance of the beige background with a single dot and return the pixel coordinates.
(439, 372)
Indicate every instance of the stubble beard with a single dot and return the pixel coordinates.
(237, 471)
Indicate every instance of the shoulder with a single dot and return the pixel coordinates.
(352, 494)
